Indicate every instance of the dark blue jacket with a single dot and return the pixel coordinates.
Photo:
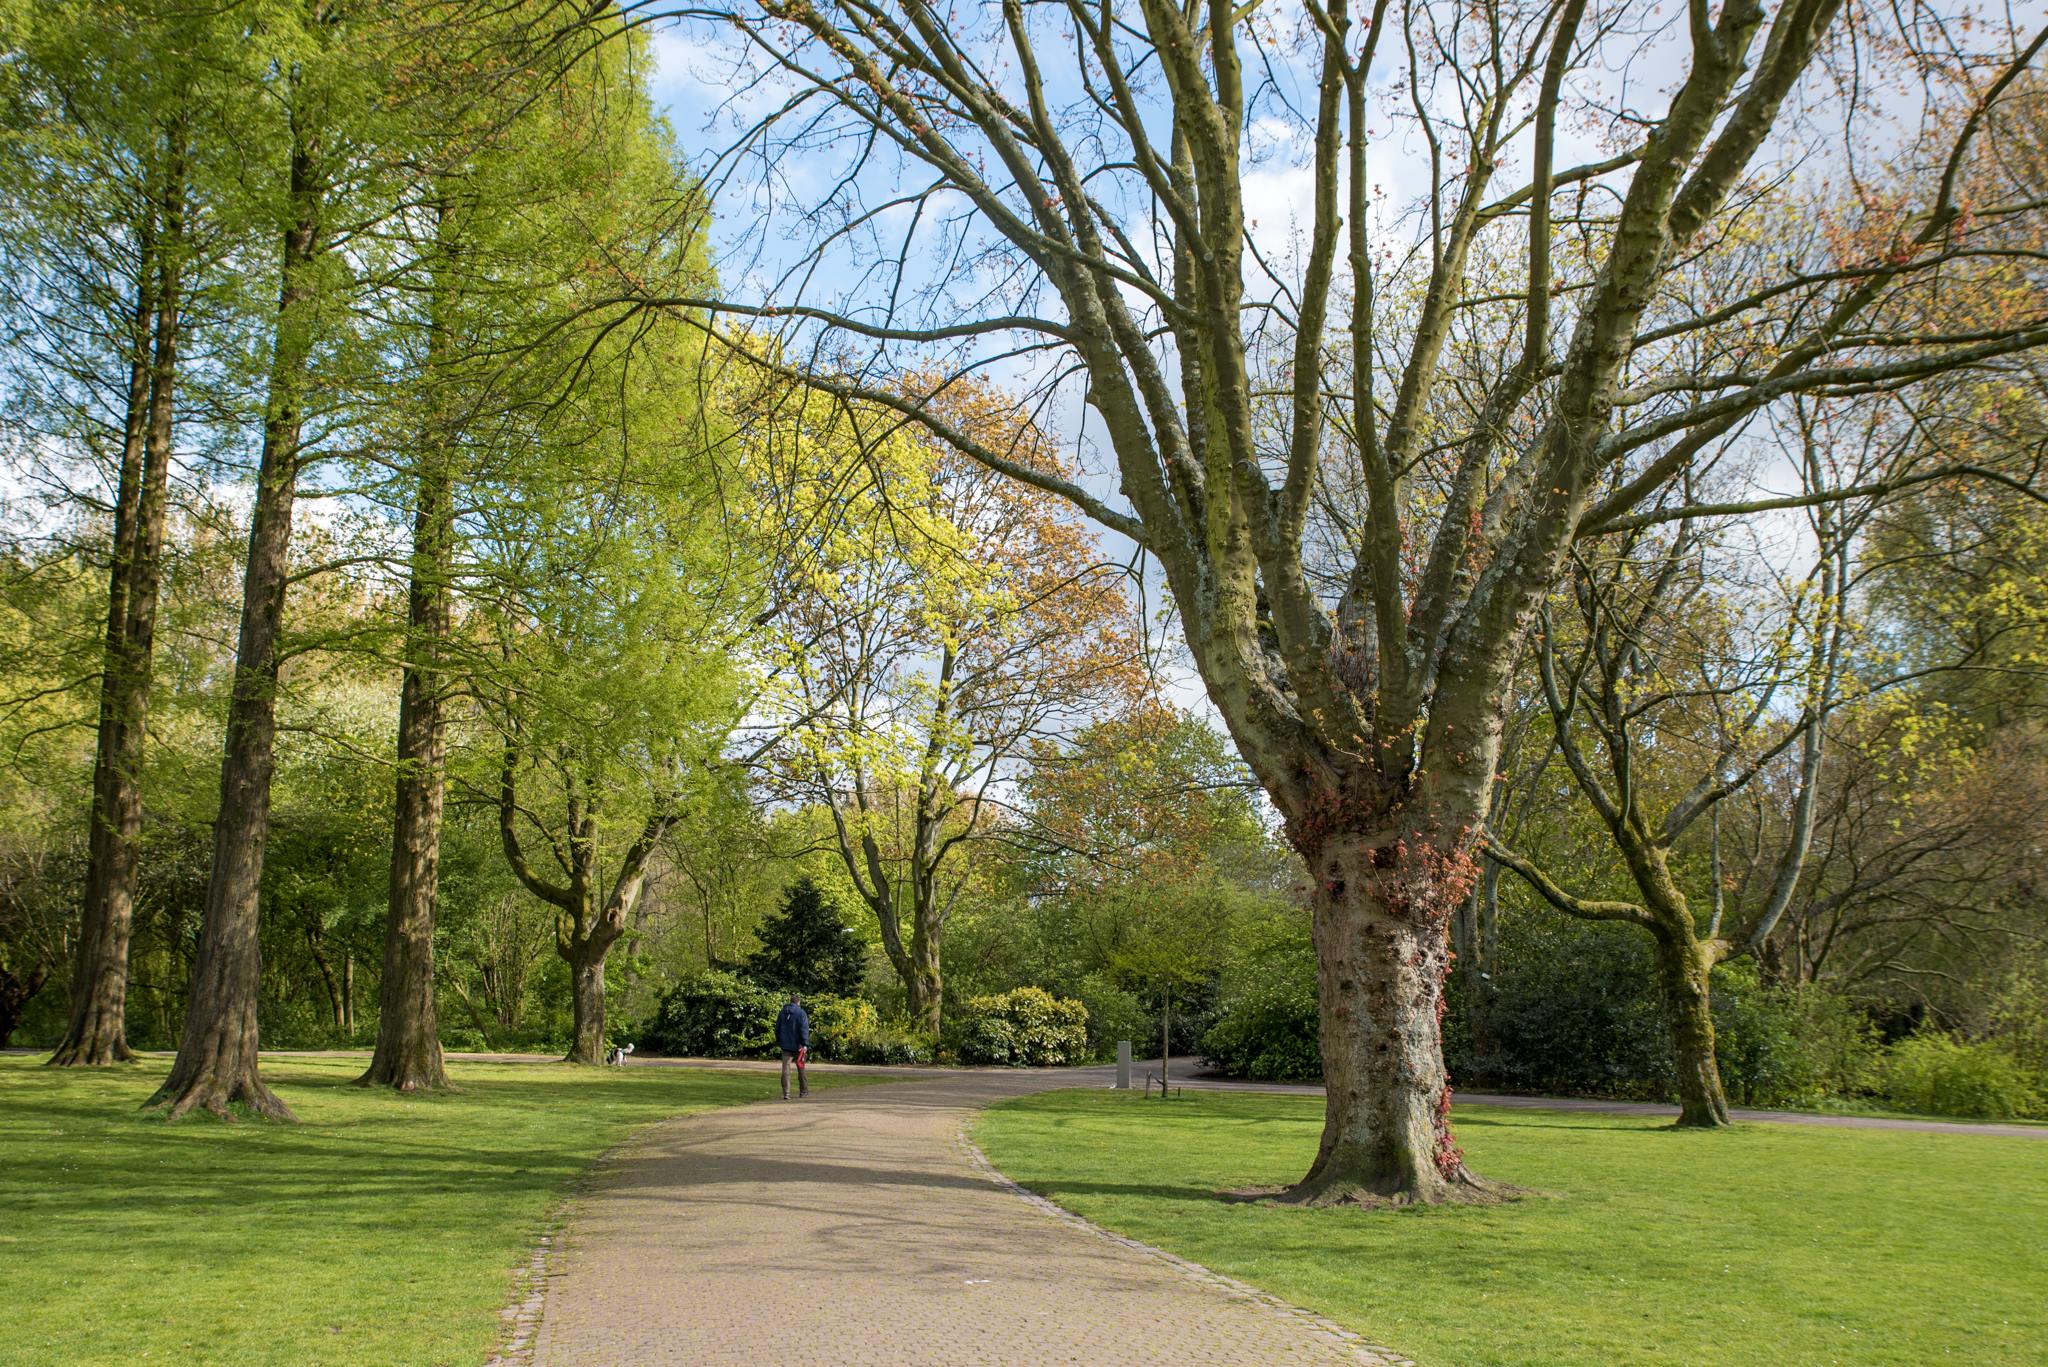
(792, 1028)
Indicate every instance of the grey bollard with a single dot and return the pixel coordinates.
(1123, 1064)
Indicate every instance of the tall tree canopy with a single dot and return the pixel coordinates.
(1361, 457)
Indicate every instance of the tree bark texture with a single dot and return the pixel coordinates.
(216, 1065)
(96, 1032)
(926, 983)
(1383, 908)
(586, 982)
(408, 1049)
(1684, 969)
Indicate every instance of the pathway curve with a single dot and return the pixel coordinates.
(856, 1227)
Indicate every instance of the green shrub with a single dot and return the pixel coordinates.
(889, 1042)
(1788, 1046)
(1569, 1009)
(1024, 1028)
(464, 1040)
(839, 1023)
(2019, 1023)
(1937, 1074)
(1114, 1013)
(1268, 1030)
(712, 1015)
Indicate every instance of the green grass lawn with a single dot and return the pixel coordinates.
(382, 1230)
(1766, 1244)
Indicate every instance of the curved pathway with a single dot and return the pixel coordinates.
(858, 1227)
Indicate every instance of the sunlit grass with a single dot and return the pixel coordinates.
(381, 1230)
(1769, 1244)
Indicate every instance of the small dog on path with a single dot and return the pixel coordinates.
(616, 1055)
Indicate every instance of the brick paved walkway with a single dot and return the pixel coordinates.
(856, 1228)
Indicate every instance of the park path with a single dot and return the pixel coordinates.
(857, 1227)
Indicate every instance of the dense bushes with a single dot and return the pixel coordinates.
(1788, 1046)
(1266, 1028)
(1569, 1009)
(712, 1015)
(1573, 1010)
(851, 1030)
(719, 1015)
(1024, 1028)
(1940, 1075)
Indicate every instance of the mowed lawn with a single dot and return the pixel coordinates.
(1780, 1245)
(382, 1230)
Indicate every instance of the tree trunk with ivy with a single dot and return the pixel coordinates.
(1684, 971)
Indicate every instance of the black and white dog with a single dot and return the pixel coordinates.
(616, 1055)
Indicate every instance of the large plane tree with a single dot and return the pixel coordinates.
(1360, 452)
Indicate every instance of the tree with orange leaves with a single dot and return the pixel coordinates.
(931, 673)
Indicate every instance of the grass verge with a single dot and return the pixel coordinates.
(383, 1229)
(1767, 1244)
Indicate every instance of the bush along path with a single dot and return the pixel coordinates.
(855, 1228)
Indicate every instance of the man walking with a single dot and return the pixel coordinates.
(793, 1038)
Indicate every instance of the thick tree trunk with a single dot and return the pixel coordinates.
(96, 1033)
(1684, 973)
(1383, 907)
(408, 1051)
(586, 984)
(217, 1053)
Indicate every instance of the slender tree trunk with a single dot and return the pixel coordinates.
(96, 1032)
(15, 995)
(1383, 907)
(586, 980)
(924, 983)
(1684, 972)
(408, 1051)
(327, 979)
(1165, 1038)
(217, 1053)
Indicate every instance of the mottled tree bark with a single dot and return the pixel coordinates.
(1684, 967)
(216, 1066)
(1383, 907)
(926, 982)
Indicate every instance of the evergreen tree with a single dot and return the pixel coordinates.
(805, 947)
